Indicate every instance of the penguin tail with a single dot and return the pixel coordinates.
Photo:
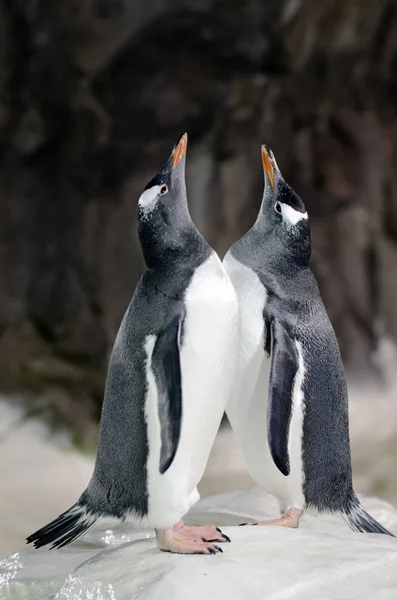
(360, 520)
(63, 530)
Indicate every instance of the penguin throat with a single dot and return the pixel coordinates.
(166, 245)
(282, 245)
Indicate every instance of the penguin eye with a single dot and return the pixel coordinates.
(163, 190)
(277, 208)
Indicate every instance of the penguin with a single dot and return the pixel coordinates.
(169, 378)
(289, 405)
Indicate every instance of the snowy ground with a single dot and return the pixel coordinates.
(321, 560)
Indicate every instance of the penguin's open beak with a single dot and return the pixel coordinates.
(179, 151)
(267, 164)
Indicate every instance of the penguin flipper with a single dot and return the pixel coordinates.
(167, 371)
(284, 365)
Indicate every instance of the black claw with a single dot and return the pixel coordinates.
(242, 524)
(225, 537)
(211, 550)
(218, 548)
(204, 540)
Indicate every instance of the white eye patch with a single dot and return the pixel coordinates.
(149, 198)
(290, 215)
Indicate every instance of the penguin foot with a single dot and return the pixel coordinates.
(206, 533)
(173, 540)
(289, 519)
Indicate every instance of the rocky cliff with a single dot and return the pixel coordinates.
(92, 96)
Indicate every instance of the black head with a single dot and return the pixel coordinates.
(282, 217)
(164, 223)
(167, 189)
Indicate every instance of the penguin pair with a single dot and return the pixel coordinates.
(170, 375)
(178, 359)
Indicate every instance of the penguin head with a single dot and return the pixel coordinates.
(168, 187)
(283, 215)
(164, 222)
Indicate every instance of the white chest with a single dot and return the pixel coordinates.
(208, 361)
(251, 295)
(252, 300)
(248, 407)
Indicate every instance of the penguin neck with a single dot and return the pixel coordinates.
(290, 252)
(168, 237)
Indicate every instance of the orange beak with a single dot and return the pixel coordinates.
(267, 165)
(179, 151)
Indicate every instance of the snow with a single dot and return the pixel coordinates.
(321, 560)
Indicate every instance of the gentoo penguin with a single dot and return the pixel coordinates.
(169, 378)
(289, 406)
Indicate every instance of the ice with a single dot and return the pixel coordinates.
(321, 560)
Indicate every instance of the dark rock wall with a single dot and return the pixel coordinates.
(93, 94)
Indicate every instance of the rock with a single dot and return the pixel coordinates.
(108, 87)
(260, 562)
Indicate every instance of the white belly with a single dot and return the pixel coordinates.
(208, 361)
(247, 409)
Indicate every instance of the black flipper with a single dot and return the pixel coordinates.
(284, 365)
(167, 371)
